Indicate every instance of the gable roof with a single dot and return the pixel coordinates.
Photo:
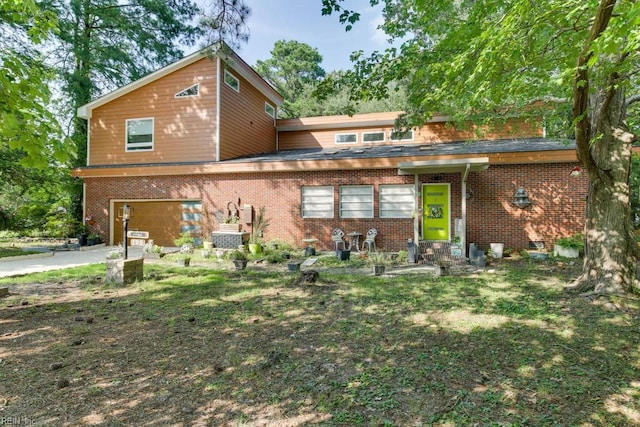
(221, 50)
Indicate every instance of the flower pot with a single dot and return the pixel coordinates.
(240, 264)
(82, 239)
(293, 267)
(207, 245)
(496, 250)
(309, 251)
(379, 270)
(255, 248)
(344, 255)
(184, 262)
(538, 256)
(566, 252)
(231, 228)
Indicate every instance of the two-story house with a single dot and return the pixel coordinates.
(187, 142)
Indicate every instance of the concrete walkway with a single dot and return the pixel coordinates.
(59, 260)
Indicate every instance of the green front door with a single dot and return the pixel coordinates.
(435, 208)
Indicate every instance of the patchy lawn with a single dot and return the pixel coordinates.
(202, 346)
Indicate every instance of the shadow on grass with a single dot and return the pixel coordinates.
(211, 347)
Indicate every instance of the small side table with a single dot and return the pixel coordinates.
(354, 240)
(309, 250)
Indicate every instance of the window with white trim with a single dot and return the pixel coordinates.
(231, 81)
(317, 201)
(356, 201)
(346, 138)
(401, 135)
(193, 90)
(373, 136)
(270, 109)
(396, 201)
(139, 134)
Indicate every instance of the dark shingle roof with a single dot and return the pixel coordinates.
(397, 150)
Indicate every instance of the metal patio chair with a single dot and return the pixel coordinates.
(337, 236)
(370, 240)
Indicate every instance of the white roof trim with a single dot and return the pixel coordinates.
(443, 166)
(232, 61)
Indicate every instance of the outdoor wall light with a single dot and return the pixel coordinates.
(521, 199)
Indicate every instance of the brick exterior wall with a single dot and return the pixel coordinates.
(558, 206)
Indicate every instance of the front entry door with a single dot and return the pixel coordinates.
(436, 221)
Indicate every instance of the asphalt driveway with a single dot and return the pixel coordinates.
(59, 260)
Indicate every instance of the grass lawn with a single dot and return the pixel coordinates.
(204, 346)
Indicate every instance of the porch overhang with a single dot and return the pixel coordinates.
(465, 165)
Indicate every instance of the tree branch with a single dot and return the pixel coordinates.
(633, 99)
(581, 85)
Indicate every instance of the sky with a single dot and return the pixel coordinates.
(302, 21)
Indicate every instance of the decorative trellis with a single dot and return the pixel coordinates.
(440, 253)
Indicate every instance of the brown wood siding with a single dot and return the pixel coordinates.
(245, 128)
(429, 133)
(184, 128)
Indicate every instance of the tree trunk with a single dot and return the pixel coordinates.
(610, 249)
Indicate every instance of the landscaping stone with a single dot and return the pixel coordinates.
(125, 271)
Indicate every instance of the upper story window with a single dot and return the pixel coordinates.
(346, 138)
(373, 136)
(231, 81)
(401, 135)
(193, 90)
(139, 134)
(317, 201)
(396, 201)
(270, 109)
(356, 201)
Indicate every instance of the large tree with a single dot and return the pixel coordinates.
(104, 44)
(29, 133)
(292, 68)
(475, 58)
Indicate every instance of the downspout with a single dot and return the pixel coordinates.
(417, 209)
(463, 190)
(217, 131)
(277, 133)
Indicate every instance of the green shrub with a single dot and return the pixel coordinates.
(184, 239)
(236, 255)
(575, 241)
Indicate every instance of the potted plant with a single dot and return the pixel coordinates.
(379, 262)
(239, 259)
(569, 247)
(81, 233)
(260, 224)
(207, 244)
(231, 224)
(185, 242)
(151, 251)
(93, 239)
